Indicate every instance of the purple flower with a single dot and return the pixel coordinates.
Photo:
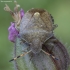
(12, 32)
(21, 13)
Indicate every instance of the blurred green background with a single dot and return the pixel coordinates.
(60, 10)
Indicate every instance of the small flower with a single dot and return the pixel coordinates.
(21, 13)
(13, 33)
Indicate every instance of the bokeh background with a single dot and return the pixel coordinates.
(60, 10)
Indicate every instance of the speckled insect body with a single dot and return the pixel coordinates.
(36, 28)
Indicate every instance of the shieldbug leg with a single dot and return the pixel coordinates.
(20, 56)
(50, 55)
(55, 26)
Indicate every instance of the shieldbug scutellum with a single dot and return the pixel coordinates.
(36, 31)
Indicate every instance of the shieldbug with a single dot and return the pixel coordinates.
(36, 28)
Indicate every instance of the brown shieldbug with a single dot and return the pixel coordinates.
(36, 28)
